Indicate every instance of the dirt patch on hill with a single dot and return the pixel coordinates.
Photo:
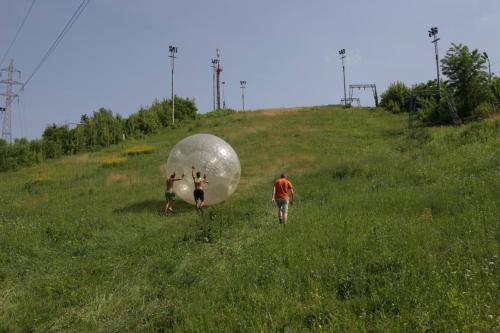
(82, 158)
(126, 178)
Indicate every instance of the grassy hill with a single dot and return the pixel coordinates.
(392, 230)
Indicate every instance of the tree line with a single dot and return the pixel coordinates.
(474, 93)
(93, 132)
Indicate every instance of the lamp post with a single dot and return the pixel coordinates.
(214, 66)
(433, 33)
(173, 51)
(485, 56)
(342, 56)
(223, 95)
(243, 86)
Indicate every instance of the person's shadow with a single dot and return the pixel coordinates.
(157, 206)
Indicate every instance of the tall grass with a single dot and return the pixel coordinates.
(392, 230)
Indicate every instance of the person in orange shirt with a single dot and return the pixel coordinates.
(281, 188)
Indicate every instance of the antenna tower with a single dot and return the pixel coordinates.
(9, 97)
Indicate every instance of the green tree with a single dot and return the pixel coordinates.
(108, 128)
(56, 141)
(467, 78)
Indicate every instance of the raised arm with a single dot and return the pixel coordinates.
(176, 179)
(192, 173)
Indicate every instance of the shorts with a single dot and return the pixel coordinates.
(170, 196)
(199, 195)
(282, 205)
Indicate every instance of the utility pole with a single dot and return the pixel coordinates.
(433, 33)
(9, 97)
(342, 56)
(243, 86)
(485, 56)
(214, 67)
(173, 51)
(223, 95)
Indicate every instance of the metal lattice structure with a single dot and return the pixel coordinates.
(350, 100)
(412, 114)
(364, 86)
(9, 98)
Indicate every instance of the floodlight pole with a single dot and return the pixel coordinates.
(342, 56)
(243, 86)
(485, 55)
(173, 51)
(214, 67)
(434, 33)
(218, 70)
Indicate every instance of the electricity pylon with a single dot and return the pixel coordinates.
(9, 97)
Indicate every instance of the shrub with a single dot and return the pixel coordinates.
(138, 150)
(494, 86)
(34, 185)
(484, 110)
(220, 113)
(393, 106)
(114, 162)
(396, 98)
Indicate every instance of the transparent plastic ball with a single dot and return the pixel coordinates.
(211, 156)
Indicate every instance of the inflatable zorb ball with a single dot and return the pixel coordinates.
(211, 156)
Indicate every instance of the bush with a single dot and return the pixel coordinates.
(396, 98)
(393, 106)
(494, 86)
(484, 110)
(138, 150)
(219, 113)
(114, 162)
(16, 155)
(185, 109)
(432, 113)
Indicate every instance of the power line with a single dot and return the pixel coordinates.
(59, 38)
(18, 31)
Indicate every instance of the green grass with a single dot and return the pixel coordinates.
(392, 230)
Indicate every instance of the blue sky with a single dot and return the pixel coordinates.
(116, 54)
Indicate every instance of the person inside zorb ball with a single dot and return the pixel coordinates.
(212, 157)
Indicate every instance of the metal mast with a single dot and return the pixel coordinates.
(173, 51)
(218, 70)
(223, 95)
(485, 56)
(342, 56)
(9, 97)
(243, 86)
(434, 33)
(214, 67)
